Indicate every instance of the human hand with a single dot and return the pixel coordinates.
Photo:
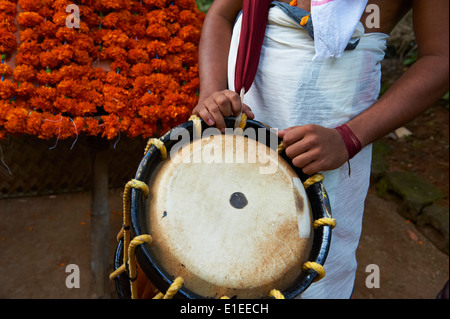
(219, 104)
(314, 148)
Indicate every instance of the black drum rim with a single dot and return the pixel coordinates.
(317, 197)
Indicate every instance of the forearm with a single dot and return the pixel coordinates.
(421, 86)
(213, 55)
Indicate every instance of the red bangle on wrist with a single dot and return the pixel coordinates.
(350, 139)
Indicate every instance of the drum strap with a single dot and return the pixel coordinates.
(254, 22)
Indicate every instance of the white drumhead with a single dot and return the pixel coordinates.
(227, 228)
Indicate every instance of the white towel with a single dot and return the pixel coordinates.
(334, 23)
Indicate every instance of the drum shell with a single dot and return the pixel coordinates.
(316, 194)
(122, 282)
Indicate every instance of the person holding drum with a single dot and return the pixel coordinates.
(326, 106)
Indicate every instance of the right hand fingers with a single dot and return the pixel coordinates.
(236, 105)
(220, 104)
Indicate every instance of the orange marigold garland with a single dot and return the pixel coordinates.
(131, 67)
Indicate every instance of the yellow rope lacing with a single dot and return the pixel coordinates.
(197, 125)
(126, 212)
(281, 148)
(129, 247)
(173, 289)
(326, 221)
(159, 145)
(276, 294)
(117, 272)
(139, 240)
(312, 180)
(317, 268)
(243, 122)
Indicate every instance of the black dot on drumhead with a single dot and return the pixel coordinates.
(238, 200)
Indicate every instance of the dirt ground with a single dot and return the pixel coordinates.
(41, 236)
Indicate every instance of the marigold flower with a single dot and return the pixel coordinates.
(60, 5)
(25, 89)
(60, 17)
(175, 45)
(47, 29)
(116, 80)
(158, 31)
(114, 38)
(115, 53)
(28, 35)
(85, 107)
(189, 33)
(47, 60)
(155, 3)
(156, 16)
(29, 5)
(7, 23)
(48, 44)
(79, 123)
(149, 71)
(46, 11)
(5, 70)
(39, 103)
(33, 123)
(83, 42)
(156, 47)
(16, 120)
(63, 53)
(91, 126)
(138, 56)
(65, 104)
(66, 34)
(187, 4)
(115, 4)
(135, 127)
(8, 41)
(110, 126)
(69, 88)
(29, 19)
(8, 8)
(46, 93)
(187, 17)
(7, 89)
(304, 20)
(82, 57)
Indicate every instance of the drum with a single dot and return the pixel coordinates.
(216, 215)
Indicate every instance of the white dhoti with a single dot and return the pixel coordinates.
(291, 89)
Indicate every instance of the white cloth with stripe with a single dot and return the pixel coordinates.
(334, 23)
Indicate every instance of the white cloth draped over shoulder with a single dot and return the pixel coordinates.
(292, 88)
